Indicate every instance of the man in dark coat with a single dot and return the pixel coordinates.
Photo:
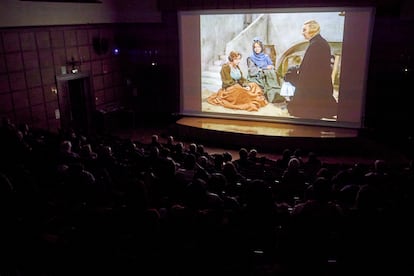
(313, 97)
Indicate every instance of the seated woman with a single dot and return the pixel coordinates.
(236, 92)
(262, 71)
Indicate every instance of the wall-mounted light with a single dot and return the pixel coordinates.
(54, 90)
(74, 65)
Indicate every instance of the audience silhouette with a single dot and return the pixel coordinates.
(111, 205)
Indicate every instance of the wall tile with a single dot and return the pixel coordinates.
(95, 32)
(36, 96)
(59, 57)
(70, 38)
(97, 67)
(106, 67)
(30, 60)
(48, 75)
(46, 58)
(82, 37)
(3, 67)
(17, 81)
(33, 78)
(39, 115)
(98, 82)
(57, 38)
(4, 84)
(11, 42)
(43, 40)
(6, 103)
(20, 99)
(84, 53)
(14, 62)
(85, 67)
(28, 41)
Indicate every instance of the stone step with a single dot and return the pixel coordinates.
(223, 57)
(219, 62)
(211, 74)
(211, 80)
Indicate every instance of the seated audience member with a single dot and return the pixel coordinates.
(293, 182)
(66, 154)
(312, 165)
(170, 144)
(316, 223)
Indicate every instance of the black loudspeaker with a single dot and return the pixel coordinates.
(100, 45)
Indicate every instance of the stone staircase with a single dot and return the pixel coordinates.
(211, 77)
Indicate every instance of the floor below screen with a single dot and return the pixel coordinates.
(333, 145)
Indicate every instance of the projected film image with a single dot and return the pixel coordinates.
(272, 64)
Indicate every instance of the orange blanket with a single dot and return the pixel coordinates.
(238, 97)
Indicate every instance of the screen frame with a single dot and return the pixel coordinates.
(357, 77)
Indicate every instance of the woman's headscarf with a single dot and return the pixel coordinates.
(260, 59)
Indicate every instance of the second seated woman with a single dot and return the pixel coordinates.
(236, 91)
(262, 71)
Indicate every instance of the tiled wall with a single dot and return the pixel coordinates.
(30, 59)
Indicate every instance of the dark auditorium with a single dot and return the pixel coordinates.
(206, 137)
